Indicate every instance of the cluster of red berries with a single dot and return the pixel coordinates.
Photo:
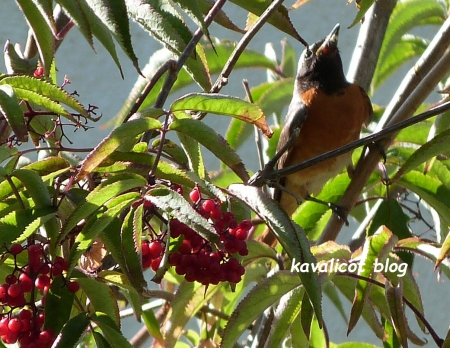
(152, 254)
(196, 258)
(21, 321)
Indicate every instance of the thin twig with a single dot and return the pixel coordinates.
(222, 80)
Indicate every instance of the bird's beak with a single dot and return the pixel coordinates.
(330, 43)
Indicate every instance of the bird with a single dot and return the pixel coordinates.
(330, 112)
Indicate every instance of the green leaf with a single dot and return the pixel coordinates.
(73, 332)
(434, 147)
(194, 155)
(431, 190)
(289, 234)
(101, 298)
(9, 107)
(407, 15)
(15, 63)
(39, 24)
(99, 196)
(288, 64)
(58, 305)
(213, 141)
(45, 94)
(277, 95)
(153, 326)
(110, 330)
(279, 19)
(74, 10)
(187, 302)
(220, 104)
(264, 294)
(375, 249)
(113, 14)
(287, 310)
(394, 297)
(85, 18)
(216, 60)
(407, 48)
(94, 227)
(175, 205)
(363, 6)
(126, 132)
(131, 233)
(34, 186)
(221, 18)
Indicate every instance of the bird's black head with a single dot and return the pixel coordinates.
(320, 65)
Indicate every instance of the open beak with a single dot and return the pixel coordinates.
(329, 45)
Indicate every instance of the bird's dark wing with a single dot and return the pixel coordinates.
(295, 118)
(369, 112)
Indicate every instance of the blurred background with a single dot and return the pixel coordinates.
(97, 80)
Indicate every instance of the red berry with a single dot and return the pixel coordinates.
(25, 314)
(10, 279)
(155, 249)
(45, 337)
(15, 290)
(145, 248)
(208, 205)
(4, 326)
(42, 282)
(185, 247)
(146, 261)
(245, 225)
(241, 234)
(3, 292)
(45, 269)
(174, 259)
(177, 188)
(228, 216)
(15, 249)
(155, 264)
(73, 286)
(15, 325)
(39, 72)
(195, 195)
(61, 262)
(25, 282)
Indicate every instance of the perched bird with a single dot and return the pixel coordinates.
(329, 111)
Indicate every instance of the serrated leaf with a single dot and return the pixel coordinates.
(58, 305)
(153, 326)
(434, 147)
(221, 18)
(430, 190)
(175, 205)
(216, 60)
(288, 65)
(213, 141)
(93, 228)
(42, 32)
(101, 298)
(111, 330)
(407, 48)
(188, 300)
(99, 196)
(113, 14)
(72, 333)
(126, 132)
(192, 8)
(363, 6)
(220, 104)
(131, 233)
(98, 29)
(289, 234)
(287, 310)
(394, 297)
(15, 63)
(375, 248)
(277, 95)
(279, 19)
(260, 297)
(41, 92)
(9, 107)
(33, 227)
(74, 10)
(35, 187)
(407, 15)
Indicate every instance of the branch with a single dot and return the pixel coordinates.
(414, 89)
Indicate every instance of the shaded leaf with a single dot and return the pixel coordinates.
(73, 332)
(213, 141)
(58, 305)
(363, 6)
(127, 132)
(289, 234)
(110, 330)
(9, 107)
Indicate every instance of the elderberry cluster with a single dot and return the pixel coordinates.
(21, 319)
(195, 258)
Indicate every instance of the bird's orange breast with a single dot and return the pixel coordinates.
(333, 120)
